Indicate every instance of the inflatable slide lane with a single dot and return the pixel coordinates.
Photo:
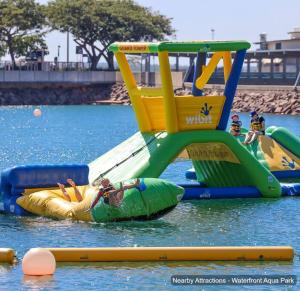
(282, 154)
(278, 152)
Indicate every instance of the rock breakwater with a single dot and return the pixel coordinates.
(268, 101)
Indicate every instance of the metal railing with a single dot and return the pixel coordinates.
(259, 78)
(45, 66)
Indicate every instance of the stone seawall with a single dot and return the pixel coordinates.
(277, 101)
(62, 95)
(285, 101)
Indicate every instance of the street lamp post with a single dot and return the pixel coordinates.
(68, 47)
(58, 51)
(42, 60)
(212, 33)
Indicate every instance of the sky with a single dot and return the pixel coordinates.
(194, 19)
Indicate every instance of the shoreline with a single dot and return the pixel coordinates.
(265, 100)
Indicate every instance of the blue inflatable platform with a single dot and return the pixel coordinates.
(199, 191)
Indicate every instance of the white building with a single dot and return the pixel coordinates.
(283, 44)
(293, 43)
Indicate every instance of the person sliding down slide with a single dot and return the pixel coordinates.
(257, 128)
(110, 194)
(76, 191)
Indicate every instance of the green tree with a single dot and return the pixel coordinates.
(95, 24)
(21, 23)
(2, 49)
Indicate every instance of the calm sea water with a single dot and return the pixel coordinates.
(79, 134)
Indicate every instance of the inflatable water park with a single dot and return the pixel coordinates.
(171, 127)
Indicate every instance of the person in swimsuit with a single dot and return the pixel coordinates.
(110, 194)
(257, 127)
(76, 191)
(235, 128)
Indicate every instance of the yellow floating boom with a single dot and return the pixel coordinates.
(7, 255)
(133, 254)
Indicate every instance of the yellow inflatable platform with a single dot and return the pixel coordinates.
(51, 203)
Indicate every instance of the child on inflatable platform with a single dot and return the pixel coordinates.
(257, 127)
(110, 194)
(236, 124)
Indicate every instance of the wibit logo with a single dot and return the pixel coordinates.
(203, 117)
(205, 194)
(286, 163)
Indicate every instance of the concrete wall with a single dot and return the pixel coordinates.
(58, 77)
(86, 77)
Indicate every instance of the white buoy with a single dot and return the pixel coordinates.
(38, 262)
(37, 112)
